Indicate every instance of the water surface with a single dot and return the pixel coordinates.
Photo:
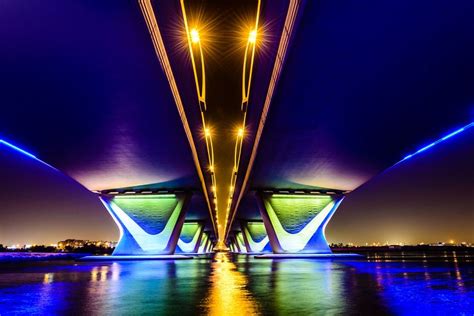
(224, 284)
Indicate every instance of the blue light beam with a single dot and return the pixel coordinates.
(462, 129)
(24, 152)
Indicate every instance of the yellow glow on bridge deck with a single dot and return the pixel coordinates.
(150, 19)
(247, 72)
(282, 49)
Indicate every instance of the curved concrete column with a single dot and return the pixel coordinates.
(149, 224)
(295, 223)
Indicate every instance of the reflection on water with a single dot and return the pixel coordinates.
(228, 294)
(241, 285)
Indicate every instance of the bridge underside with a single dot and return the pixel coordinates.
(190, 238)
(291, 223)
(149, 225)
(255, 236)
(159, 224)
(350, 102)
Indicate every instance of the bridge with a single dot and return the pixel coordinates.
(124, 98)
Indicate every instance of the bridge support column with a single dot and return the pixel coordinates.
(210, 246)
(203, 244)
(255, 236)
(190, 238)
(239, 238)
(295, 223)
(149, 224)
(232, 247)
(234, 243)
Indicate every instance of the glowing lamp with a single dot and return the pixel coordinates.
(195, 36)
(253, 36)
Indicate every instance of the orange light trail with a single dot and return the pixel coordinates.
(152, 24)
(247, 72)
(280, 57)
(196, 52)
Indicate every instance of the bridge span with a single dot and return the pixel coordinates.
(122, 97)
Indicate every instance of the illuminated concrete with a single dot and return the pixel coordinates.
(332, 142)
(190, 239)
(204, 243)
(307, 215)
(255, 236)
(149, 225)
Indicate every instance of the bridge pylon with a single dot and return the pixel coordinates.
(149, 224)
(295, 223)
(255, 236)
(190, 238)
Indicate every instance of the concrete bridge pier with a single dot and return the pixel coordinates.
(149, 224)
(255, 236)
(295, 223)
(190, 238)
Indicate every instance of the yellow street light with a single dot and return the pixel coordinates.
(252, 36)
(195, 36)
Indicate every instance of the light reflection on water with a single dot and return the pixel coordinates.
(241, 285)
(228, 294)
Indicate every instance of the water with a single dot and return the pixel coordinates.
(226, 284)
